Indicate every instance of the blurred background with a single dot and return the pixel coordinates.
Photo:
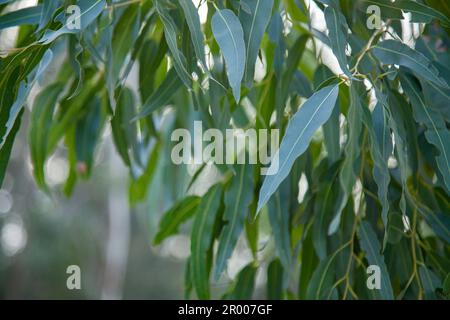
(95, 229)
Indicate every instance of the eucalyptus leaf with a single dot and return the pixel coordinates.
(311, 115)
(229, 35)
(202, 235)
(254, 24)
(395, 52)
(237, 201)
(30, 15)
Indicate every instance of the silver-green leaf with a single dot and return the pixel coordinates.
(229, 35)
(312, 114)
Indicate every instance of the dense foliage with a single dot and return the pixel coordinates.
(364, 160)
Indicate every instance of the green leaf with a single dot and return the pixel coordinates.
(430, 282)
(254, 24)
(370, 244)
(124, 132)
(150, 58)
(347, 176)
(187, 279)
(88, 130)
(275, 280)
(380, 149)
(308, 265)
(311, 115)
(171, 32)
(193, 22)
(229, 35)
(162, 95)
(395, 228)
(279, 218)
(419, 12)
(175, 216)
(124, 35)
(436, 97)
(201, 240)
(323, 207)
(395, 52)
(245, 283)
(48, 10)
(396, 123)
(72, 110)
(89, 11)
(30, 15)
(439, 222)
(292, 61)
(331, 128)
(40, 123)
(296, 9)
(139, 187)
(337, 27)
(24, 90)
(446, 285)
(75, 55)
(237, 201)
(5, 151)
(437, 132)
(422, 13)
(320, 286)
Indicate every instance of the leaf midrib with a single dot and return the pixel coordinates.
(299, 137)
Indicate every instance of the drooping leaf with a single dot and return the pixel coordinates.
(321, 283)
(123, 130)
(175, 216)
(237, 200)
(193, 22)
(437, 132)
(326, 197)
(395, 52)
(380, 149)
(439, 222)
(307, 266)
(229, 35)
(371, 246)
(5, 151)
(275, 280)
(139, 187)
(23, 92)
(245, 283)
(347, 176)
(162, 95)
(279, 219)
(171, 33)
(87, 133)
(123, 37)
(254, 24)
(201, 237)
(293, 59)
(30, 15)
(394, 228)
(420, 12)
(312, 114)
(337, 27)
(41, 119)
(430, 282)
